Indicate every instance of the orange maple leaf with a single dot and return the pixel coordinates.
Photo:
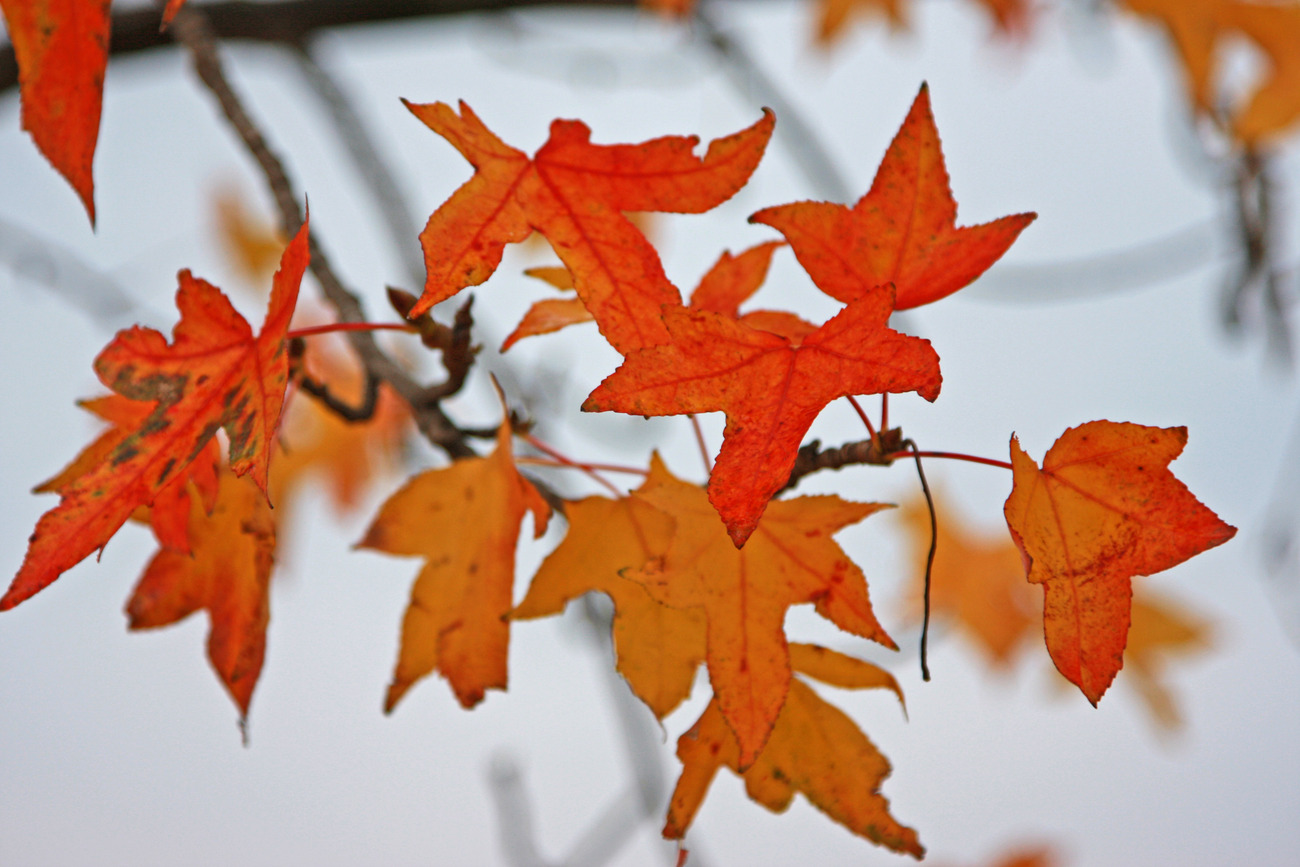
(815, 749)
(903, 231)
(1274, 107)
(770, 385)
(659, 648)
(228, 573)
(550, 314)
(1103, 508)
(574, 193)
(61, 47)
(464, 520)
(1197, 27)
(978, 580)
(215, 374)
(745, 593)
(722, 289)
(169, 513)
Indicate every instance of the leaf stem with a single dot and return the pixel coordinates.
(954, 456)
(916, 454)
(863, 415)
(336, 327)
(884, 411)
(565, 460)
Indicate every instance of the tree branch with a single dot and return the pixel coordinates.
(284, 21)
(192, 29)
(878, 451)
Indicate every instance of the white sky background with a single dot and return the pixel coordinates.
(122, 749)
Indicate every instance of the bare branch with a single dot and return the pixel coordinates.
(812, 457)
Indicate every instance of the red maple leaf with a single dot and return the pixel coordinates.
(215, 374)
(903, 231)
(771, 386)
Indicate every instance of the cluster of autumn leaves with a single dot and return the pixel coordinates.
(696, 575)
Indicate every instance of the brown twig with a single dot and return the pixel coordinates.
(879, 451)
(191, 27)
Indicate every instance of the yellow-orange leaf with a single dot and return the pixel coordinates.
(814, 749)
(771, 386)
(1103, 508)
(1197, 27)
(745, 593)
(215, 374)
(977, 580)
(62, 51)
(464, 520)
(1274, 107)
(227, 573)
(903, 231)
(575, 193)
(658, 647)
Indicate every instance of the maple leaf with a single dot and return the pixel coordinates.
(658, 647)
(745, 593)
(1103, 508)
(215, 374)
(1274, 107)
(1197, 28)
(464, 520)
(814, 749)
(169, 513)
(771, 386)
(978, 580)
(574, 193)
(903, 231)
(722, 289)
(61, 47)
(550, 314)
(228, 573)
